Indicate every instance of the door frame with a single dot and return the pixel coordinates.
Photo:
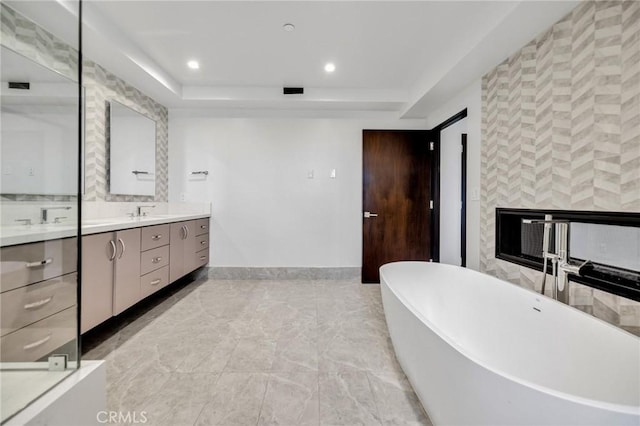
(436, 131)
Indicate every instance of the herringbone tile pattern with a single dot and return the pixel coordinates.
(27, 38)
(561, 130)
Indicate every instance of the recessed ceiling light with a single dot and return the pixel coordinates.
(194, 65)
(288, 27)
(330, 67)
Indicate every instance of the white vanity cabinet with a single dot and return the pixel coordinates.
(38, 298)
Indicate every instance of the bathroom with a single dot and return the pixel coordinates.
(245, 208)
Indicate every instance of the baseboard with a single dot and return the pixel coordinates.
(242, 273)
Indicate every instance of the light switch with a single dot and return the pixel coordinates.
(475, 194)
(333, 174)
(310, 174)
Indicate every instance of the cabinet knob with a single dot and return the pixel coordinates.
(156, 259)
(156, 237)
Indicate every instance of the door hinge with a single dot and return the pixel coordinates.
(431, 204)
(431, 146)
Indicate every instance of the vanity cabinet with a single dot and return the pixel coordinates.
(38, 298)
(189, 247)
(126, 283)
(98, 255)
(110, 275)
(154, 259)
(123, 267)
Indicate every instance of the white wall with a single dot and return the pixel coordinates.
(266, 211)
(469, 98)
(451, 192)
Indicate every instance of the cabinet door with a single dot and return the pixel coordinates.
(191, 261)
(98, 252)
(176, 251)
(127, 270)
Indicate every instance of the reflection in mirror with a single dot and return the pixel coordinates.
(39, 147)
(132, 152)
(39, 128)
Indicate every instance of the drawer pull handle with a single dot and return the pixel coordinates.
(203, 242)
(155, 282)
(203, 257)
(203, 226)
(156, 237)
(39, 303)
(40, 263)
(37, 343)
(156, 259)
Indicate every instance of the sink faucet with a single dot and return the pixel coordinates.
(139, 211)
(561, 267)
(44, 212)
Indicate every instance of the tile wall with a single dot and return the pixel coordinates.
(561, 130)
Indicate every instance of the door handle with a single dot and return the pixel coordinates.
(369, 214)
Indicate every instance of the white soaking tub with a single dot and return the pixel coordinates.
(481, 351)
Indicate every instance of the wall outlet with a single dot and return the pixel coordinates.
(183, 196)
(31, 171)
(333, 174)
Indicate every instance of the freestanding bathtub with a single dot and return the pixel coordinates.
(481, 351)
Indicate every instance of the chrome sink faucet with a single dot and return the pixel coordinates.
(561, 267)
(44, 212)
(139, 211)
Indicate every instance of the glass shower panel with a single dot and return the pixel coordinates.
(39, 200)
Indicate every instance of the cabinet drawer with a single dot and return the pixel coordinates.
(202, 226)
(30, 263)
(202, 242)
(26, 305)
(155, 236)
(154, 281)
(153, 259)
(202, 257)
(40, 338)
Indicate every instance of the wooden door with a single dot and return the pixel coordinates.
(127, 270)
(395, 197)
(98, 252)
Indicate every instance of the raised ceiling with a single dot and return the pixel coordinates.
(396, 56)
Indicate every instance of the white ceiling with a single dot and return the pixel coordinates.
(403, 57)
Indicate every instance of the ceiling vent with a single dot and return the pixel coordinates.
(19, 85)
(293, 90)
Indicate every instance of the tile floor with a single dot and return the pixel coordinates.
(218, 352)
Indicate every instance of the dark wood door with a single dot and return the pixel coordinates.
(395, 198)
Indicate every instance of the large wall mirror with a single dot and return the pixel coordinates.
(39, 129)
(132, 151)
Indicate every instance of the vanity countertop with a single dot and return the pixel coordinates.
(21, 234)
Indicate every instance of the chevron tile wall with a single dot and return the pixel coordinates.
(561, 130)
(27, 38)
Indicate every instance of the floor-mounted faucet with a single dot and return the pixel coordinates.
(561, 267)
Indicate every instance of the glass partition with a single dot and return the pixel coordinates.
(40, 143)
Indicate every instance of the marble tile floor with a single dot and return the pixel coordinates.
(222, 352)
